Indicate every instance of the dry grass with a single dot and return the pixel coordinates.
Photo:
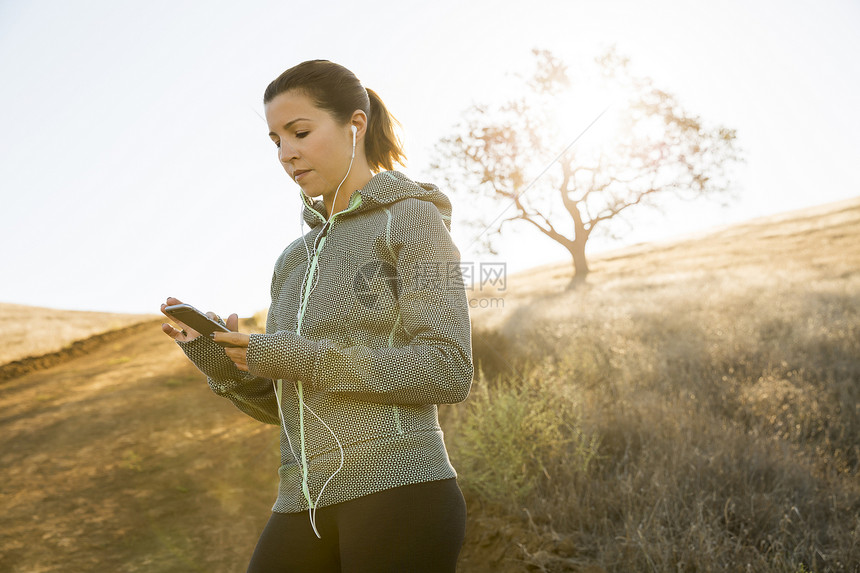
(695, 408)
(33, 331)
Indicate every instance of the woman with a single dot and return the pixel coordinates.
(367, 332)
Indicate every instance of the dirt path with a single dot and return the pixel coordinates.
(124, 460)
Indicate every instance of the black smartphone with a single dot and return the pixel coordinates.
(197, 320)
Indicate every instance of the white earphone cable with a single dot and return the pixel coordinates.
(312, 505)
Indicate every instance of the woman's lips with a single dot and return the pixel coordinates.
(300, 173)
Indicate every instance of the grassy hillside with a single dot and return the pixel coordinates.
(124, 460)
(693, 408)
(33, 331)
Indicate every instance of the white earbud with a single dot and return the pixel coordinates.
(354, 133)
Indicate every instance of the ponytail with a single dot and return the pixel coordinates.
(381, 144)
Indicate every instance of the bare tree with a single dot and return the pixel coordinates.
(514, 153)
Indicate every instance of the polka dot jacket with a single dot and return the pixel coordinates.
(368, 330)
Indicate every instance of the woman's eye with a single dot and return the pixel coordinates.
(301, 134)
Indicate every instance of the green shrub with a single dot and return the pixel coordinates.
(516, 438)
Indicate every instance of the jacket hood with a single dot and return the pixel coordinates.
(384, 188)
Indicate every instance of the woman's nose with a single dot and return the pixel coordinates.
(286, 153)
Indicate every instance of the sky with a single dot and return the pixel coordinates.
(136, 164)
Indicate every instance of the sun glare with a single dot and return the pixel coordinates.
(588, 114)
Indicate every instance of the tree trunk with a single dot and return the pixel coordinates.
(580, 265)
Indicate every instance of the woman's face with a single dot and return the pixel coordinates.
(312, 147)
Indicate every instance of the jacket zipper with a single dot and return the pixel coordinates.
(397, 420)
(356, 202)
(299, 389)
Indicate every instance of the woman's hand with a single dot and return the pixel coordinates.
(238, 349)
(185, 333)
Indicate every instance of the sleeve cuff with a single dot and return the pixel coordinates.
(210, 359)
(283, 354)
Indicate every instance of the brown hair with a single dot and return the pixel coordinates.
(335, 89)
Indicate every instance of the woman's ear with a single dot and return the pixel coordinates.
(359, 121)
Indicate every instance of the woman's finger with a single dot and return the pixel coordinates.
(232, 338)
(239, 356)
(173, 332)
(233, 322)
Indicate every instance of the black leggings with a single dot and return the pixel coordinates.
(414, 528)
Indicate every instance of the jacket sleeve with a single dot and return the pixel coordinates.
(434, 367)
(253, 395)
